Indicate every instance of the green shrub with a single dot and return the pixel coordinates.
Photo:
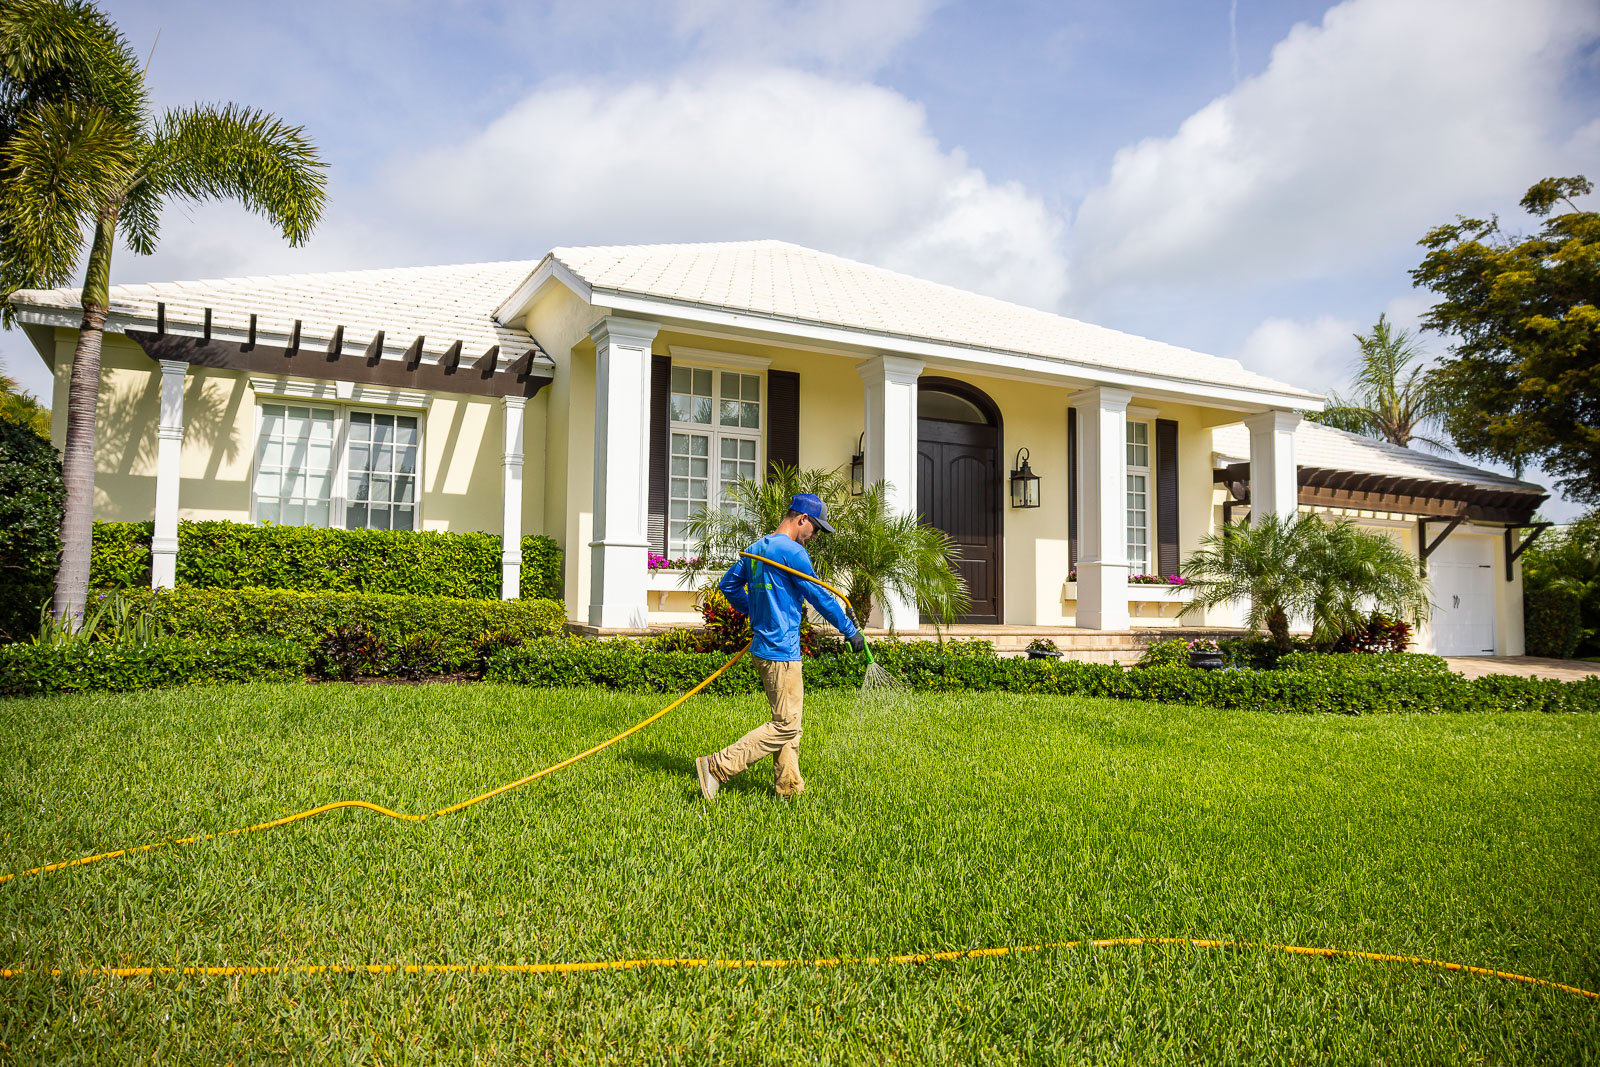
(31, 498)
(1174, 653)
(348, 650)
(1553, 622)
(27, 669)
(1387, 664)
(306, 618)
(233, 555)
(629, 665)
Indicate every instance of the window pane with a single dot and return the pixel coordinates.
(267, 510)
(380, 519)
(680, 379)
(1139, 444)
(699, 445)
(702, 383)
(404, 518)
(730, 413)
(702, 409)
(408, 460)
(406, 431)
(752, 388)
(405, 490)
(355, 517)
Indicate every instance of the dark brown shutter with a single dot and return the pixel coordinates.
(1072, 487)
(783, 418)
(660, 443)
(1166, 497)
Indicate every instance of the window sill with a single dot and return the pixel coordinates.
(1141, 594)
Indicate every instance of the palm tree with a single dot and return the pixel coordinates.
(1393, 401)
(83, 154)
(1333, 574)
(872, 553)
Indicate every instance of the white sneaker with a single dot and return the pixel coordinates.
(708, 781)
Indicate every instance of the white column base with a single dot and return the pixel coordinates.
(1103, 596)
(617, 577)
(163, 562)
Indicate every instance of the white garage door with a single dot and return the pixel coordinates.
(1461, 572)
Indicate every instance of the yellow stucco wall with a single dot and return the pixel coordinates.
(462, 444)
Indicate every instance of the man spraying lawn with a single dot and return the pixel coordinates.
(772, 598)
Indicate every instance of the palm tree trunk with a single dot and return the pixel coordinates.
(1278, 627)
(83, 396)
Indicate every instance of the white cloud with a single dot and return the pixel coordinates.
(1317, 352)
(1390, 117)
(844, 166)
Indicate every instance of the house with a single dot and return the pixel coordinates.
(600, 395)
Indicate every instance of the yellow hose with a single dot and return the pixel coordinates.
(287, 819)
(774, 964)
(801, 574)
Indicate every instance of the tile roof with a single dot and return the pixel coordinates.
(1316, 445)
(787, 281)
(444, 304)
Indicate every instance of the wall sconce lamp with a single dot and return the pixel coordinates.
(1024, 483)
(858, 468)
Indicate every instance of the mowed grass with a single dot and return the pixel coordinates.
(948, 822)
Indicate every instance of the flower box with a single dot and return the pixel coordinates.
(1142, 594)
(671, 580)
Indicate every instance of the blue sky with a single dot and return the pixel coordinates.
(1242, 178)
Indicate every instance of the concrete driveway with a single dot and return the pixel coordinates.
(1563, 670)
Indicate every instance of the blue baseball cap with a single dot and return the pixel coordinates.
(811, 506)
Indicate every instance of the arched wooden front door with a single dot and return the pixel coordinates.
(959, 485)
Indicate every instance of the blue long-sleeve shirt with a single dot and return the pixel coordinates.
(772, 597)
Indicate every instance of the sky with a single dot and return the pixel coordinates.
(1238, 177)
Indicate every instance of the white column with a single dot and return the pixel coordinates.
(891, 455)
(1103, 508)
(1274, 488)
(617, 555)
(511, 410)
(169, 472)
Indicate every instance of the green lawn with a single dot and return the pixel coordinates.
(952, 822)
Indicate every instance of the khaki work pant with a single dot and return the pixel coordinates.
(779, 738)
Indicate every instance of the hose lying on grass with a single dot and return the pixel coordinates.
(772, 964)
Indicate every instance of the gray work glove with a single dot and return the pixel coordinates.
(857, 642)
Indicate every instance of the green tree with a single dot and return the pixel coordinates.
(30, 527)
(83, 156)
(1524, 375)
(21, 408)
(1568, 558)
(1333, 574)
(872, 554)
(1395, 399)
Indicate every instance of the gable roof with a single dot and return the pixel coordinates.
(441, 304)
(1321, 446)
(786, 282)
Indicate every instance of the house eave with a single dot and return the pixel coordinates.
(946, 355)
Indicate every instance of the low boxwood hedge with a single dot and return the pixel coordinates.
(1349, 691)
(400, 622)
(236, 555)
(170, 661)
(1366, 664)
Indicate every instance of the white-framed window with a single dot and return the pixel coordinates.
(327, 466)
(716, 440)
(1139, 497)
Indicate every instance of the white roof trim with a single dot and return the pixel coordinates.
(550, 270)
(1183, 390)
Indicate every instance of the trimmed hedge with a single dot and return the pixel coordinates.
(234, 555)
(1366, 664)
(626, 665)
(170, 661)
(1553, 622)
(304, 619)
(31, 497)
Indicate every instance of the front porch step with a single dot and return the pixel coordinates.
(1085, 646)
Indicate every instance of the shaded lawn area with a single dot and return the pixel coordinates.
(949, 822)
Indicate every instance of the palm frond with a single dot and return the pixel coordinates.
(235, 153)
(57, 172)
(59, 50)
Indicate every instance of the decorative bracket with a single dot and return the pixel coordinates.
(1513, 554)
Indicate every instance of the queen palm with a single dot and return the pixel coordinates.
(84, 157)
(1395, 399)
(1332, 574)
(873, 553)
